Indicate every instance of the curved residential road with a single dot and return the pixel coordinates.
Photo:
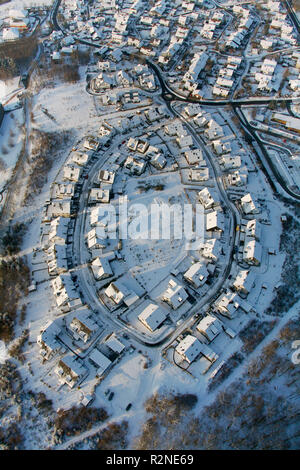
(235, 216)
(86, 281)
(253, 132)
(168, 95)
(292, 15)
(53, 15)
(165, 92)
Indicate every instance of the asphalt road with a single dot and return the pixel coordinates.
(169, 95)
(253, 133)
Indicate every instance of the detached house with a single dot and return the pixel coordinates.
(252, 253)
(189, 348)
(152, 316)
(244, 281)
(70, 370)
(101, 267)
(227, 305)
(248, 205)
(81, 325)
(206, 198)
(175, 295)
(210, 327)
(197, 274)
(119, 293)
(215, 221)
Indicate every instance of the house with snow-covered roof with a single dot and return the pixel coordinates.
(249, 205)
(106, 176)
(152, 316)
(227, 305)
(101, 267)
(96, 238)
(206, 198)
(238, 177)
(175, 295)
(114, 344)
(194, 157)
(184, 141)
(70, 370)
(196, 274)
(210, 327)
(48, 339)
(252, 229)
(135, 165)
(244, 281)
(252, 253)
(80, 158)
(58, 230)
(119, 293)
(158, 161)
(57, 259)
(81, 324)
(189, 348)
(212, 249)
(229, 162)
(99, 195)
(215, 221)
(198, 174)
(59, 208)
(62, 190)
(71, 173)
(100, 361)
(64, 290)
(214, 130)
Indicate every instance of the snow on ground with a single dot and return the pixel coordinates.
(71, 109)
(132, 383)
(21, 5)
(143, 372)
(70, 106)
(8, 87)
(11, 142)
(3, 353)
(150, 260)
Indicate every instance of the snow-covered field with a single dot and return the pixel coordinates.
(3, 352)
(21, 4)
(11, 143)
